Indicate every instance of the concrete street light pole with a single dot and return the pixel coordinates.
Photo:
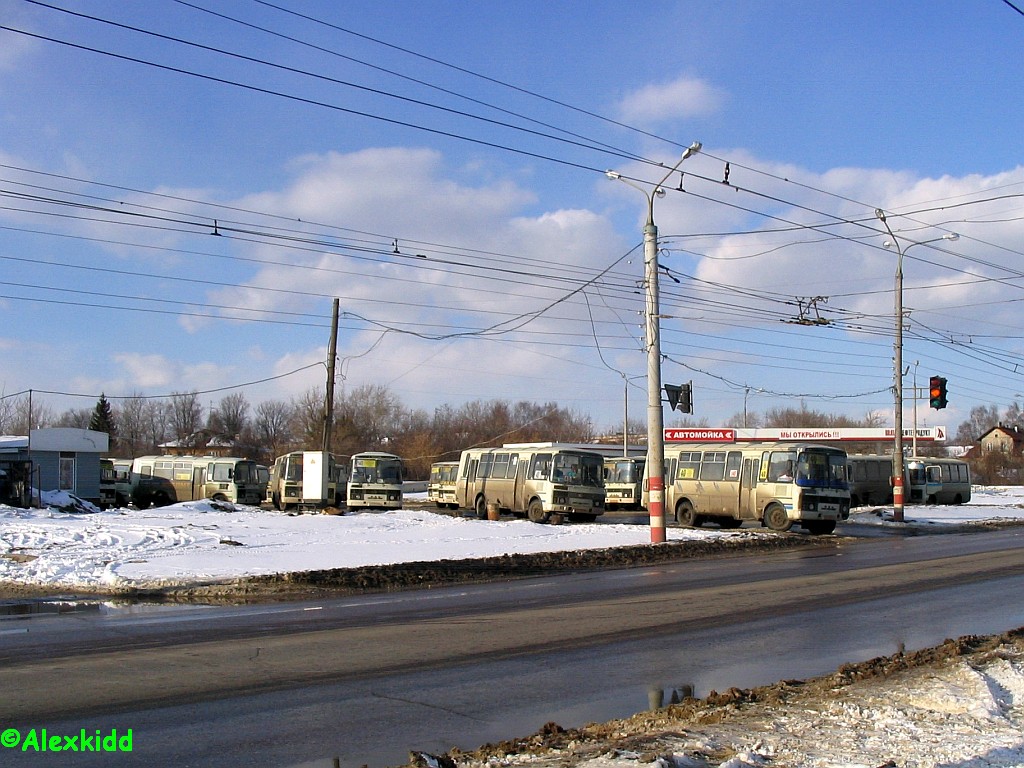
(898, 472)
(655, 416)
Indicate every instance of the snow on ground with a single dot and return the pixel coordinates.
(204, 541)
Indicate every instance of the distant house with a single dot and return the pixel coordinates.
(1005, 439)
(62, 459)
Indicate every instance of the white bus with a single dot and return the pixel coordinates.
(307, 480)
(623, 482)
(441, 486)
(933, 480)
(375, 481)
(776, 484)
(160, 480)
(535, 480)
(927, 480)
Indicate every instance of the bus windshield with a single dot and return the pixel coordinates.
(624, 471)
(823, 469)
(377, 470)
(577, 469)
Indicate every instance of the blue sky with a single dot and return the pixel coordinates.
(475, 135)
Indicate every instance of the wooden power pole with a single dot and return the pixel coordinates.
(332, 355)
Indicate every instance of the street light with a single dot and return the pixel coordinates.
(897, 369)
(655, 417)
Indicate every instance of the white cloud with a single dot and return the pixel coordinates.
(147, 371)
(685, 97)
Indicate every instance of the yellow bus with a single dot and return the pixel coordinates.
(160, 480)
(441, 486)
(776, 484)
(535, 480)
(375, 481)
(623, 482)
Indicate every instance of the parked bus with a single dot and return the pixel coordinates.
(375, 481)
(107, 494)
(160, 480)
(933, 480)
(307, 480)
(122, 482)
(535, 480)
(623, 482)
(263, 477)
(928, 480)
(870, 478)
(777, 484)
(441, 486)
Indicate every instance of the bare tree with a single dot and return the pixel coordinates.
(230, 418)
(130, 415)
(272, 427)
(309, 417)
(155, 416)
(375, 413)
(77, 418)
(29, 413)
(980, 420)
(185, 416)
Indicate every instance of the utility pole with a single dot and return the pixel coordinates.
(332, 354)
(652, 314)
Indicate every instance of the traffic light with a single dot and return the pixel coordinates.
(680, 396)
(937, 392)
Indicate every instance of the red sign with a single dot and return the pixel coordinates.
(700, 435)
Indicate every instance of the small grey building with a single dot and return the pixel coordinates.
(63, 459)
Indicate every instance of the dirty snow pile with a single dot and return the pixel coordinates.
(968, 713)
(956, 716)
(201, 542)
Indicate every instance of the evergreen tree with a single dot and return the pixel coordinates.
(103, 418)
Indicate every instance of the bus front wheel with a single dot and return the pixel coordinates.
(535, 512)
(685, 515)
(481, 507)
(776, 519)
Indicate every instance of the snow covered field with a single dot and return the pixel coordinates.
(204, 541)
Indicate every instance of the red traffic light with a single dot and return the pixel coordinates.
(937, 392)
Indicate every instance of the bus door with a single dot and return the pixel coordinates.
(747, 509)
(670, 484)
(732, 487)
(471, 482)
(519, 481)
(932, 482)
(198, 481)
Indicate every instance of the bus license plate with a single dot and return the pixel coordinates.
(828, 507)
(375, 497)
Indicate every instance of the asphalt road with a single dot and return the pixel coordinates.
(369, 678)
